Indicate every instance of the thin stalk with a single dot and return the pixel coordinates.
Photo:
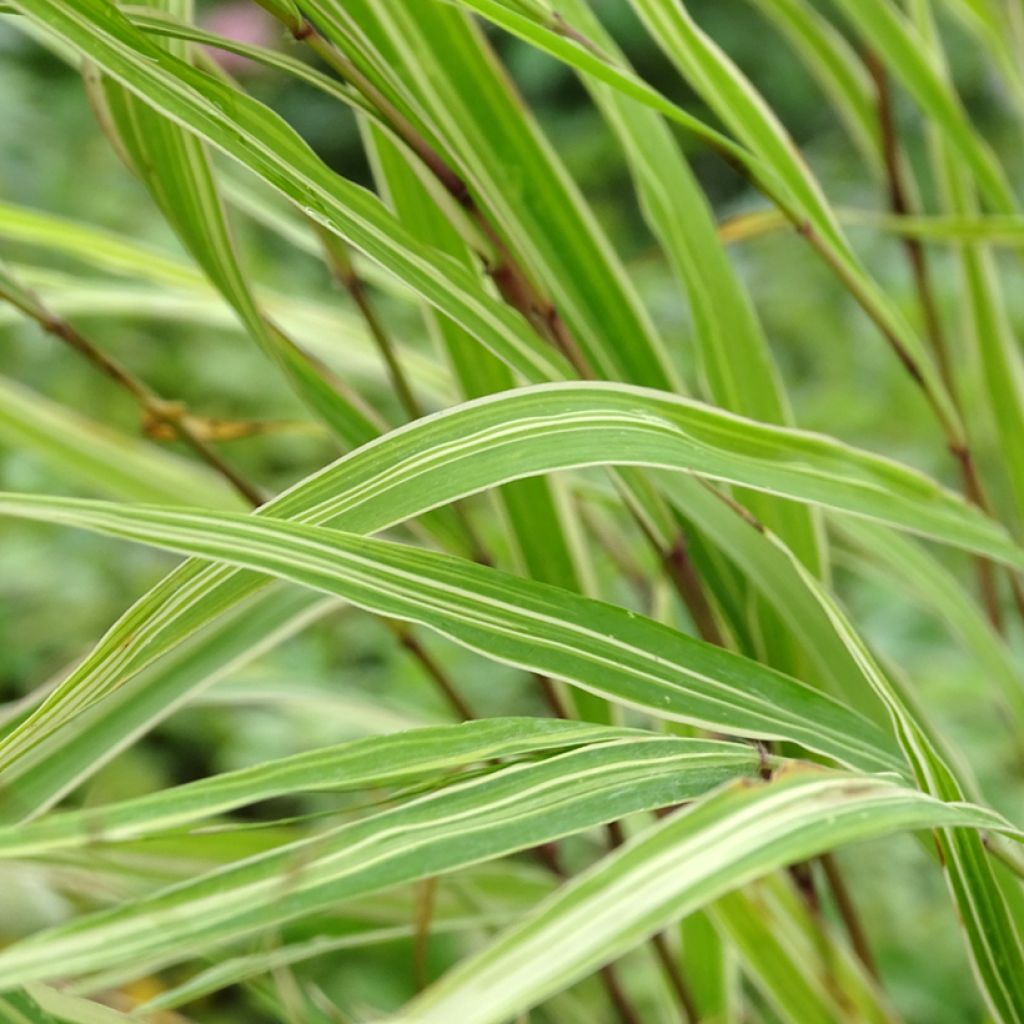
(848, 913)
(683, 574)
(553, 699)
(426, 897)
(617, 995)
(670, 968)
(172, 415)
(899, 203)
(408, 640)
(1017, 589)
(344, 273)
(340, 264)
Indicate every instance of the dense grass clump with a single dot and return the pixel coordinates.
(574, 454)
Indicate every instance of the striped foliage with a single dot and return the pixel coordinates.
(592, 499)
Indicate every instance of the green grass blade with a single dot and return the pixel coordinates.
(993, 338)
(453, 454)
(837, 68)
(237, 970)
(513, 809)
(258, 139)
(465, 97)
(599, 647)
(991, 228)
(807, 976)
(906, 53)
(530, 30)
(994, 229)
(991, 932)
(991, 333)
(529, 503)
(174, 166)
(327, 331)
(740, 107)
(997, 27)
(425, 755)
(71, 1009)
(739, 372)
(712, 969)
(539, 531)
(732, 836)
(730, 94)
(94, 737)
(105, 249)
(906, 565)
(766, 151)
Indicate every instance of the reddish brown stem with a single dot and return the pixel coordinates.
(899, 203)
(617, 996)
(432, 668)
(173, 415)
(848, 913)
(344, 273)
(426, 894)
(683, 573)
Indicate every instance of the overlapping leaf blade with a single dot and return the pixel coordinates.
(232, 121)
(535, 431)
(399, 759)
(599, 647)
(514, 809)
(733, 836)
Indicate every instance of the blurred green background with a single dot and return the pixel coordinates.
(346, 676)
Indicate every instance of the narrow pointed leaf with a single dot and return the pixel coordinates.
(516, 808)
(733, 836)
(601, 648)
(425, 755)
(452, 454)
